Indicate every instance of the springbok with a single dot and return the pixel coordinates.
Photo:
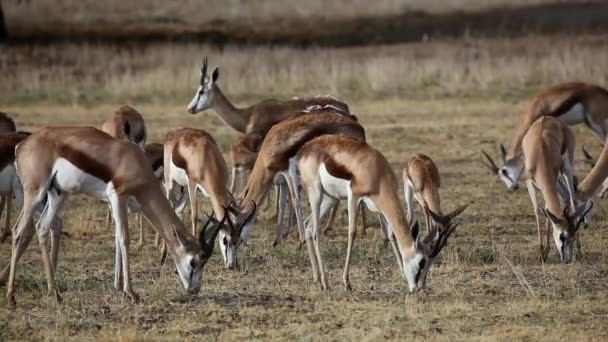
(193, 160)
(421, 181)
(56, 161)
(277, 154)
(259, 117)
(572, 102)
(9, 181)
(7, 125)
(128, 124)
(548, 150)
(338, 167)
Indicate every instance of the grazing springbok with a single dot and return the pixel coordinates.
(7, 125)
(277, 154)
(128, 124)
(57, 161)
(421, 181)
(338, 167)
(572, 102)
(548, 150)
(193, 160)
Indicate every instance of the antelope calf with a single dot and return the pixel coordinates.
(193, 160)
(421, 181)
(548, 150)
(337, 167)
(56, 161)
(574, 103)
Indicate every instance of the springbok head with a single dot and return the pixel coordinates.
(510, 170)
(232, 235)
(417, 264)
(565, 229)
(203, 98)
(190, 260)
(442, 221)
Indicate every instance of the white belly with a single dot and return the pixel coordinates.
(574, 115)
(333, 186)
(178, 175)
(71, 179)
(7, 177)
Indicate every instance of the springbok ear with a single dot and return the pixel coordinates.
(416, 231)
(215, 74)
(503, 152)
(551, 217)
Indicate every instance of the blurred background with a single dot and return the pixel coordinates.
(85, 52)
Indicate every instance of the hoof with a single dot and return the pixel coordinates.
(131, 296)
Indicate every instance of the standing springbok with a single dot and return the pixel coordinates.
(259, 117)
(193, 160)
(277, 156)
(334, 167)
(548, 150)
(9, 181)
(7, 125)
(126, 123)
(56, 161)
(421, 181)
(572, 102)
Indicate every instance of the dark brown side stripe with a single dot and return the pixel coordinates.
(86, 163)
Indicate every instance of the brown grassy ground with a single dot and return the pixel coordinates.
(489, 283)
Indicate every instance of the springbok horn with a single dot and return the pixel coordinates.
(457, 211)
(489, 163)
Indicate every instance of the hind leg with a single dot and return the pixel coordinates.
(22, 236)
(45, 224)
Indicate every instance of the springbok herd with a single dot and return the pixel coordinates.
(313, 141)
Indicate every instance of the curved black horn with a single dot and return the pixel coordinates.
(457, 211)
(204, 70)
(582, 216)
(489, 163)
(443, 239)
(436, 217)
(503, 152)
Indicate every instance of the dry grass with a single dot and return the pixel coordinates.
(489, 284)
(447, 99)
(88, 73)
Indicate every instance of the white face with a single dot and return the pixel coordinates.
(190, 269)
(228, 248)
(200, 101)
(415, 270)
(564, 241)
(509, 174)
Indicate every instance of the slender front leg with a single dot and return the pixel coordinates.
(119, 212)
(332, 217)
(140, 221)
(295, 201)
(408, 192)
(233, 180)
(316, 197)
(532, 194)
(352, 226)
(362, 207)
(282, 193)
(7, 228)
(391, 238)
(108, 220)
(193, 206)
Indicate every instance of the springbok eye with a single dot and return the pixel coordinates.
(562, 238)
(421, 264)
(192, 264)
(225, 241)
(504, 172)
